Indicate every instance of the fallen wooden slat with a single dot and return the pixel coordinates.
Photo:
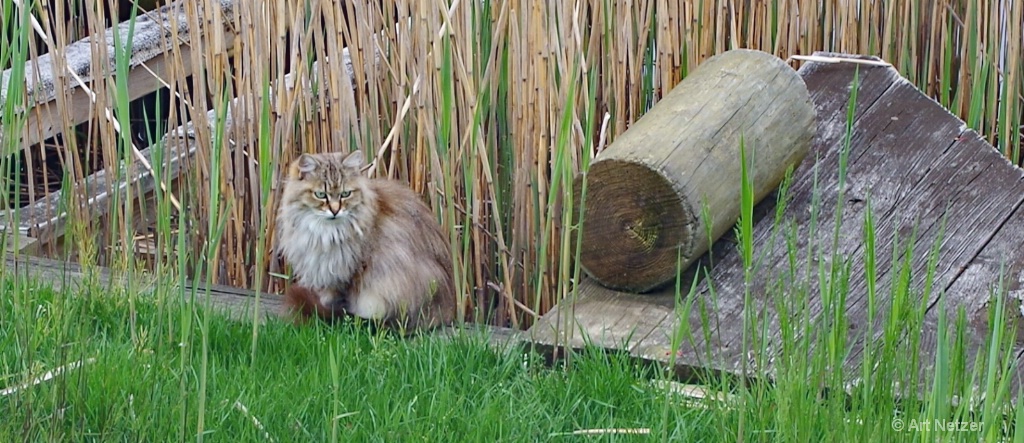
(43, 220)
(235, 302)
(61, 274)
(602, 317)
(46, 219)
(19, 242)
(152, 35)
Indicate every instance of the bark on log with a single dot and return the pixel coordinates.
(645, 191)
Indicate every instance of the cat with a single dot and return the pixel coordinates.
(365, 247)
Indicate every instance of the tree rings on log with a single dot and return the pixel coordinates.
(645, 192)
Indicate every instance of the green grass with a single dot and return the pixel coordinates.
(161, 370)
(143, 385)
(158, 368)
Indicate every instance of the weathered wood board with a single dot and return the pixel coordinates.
(55, 98)
(235, 302)
(61, 274)
(925, 175)
(149, 62)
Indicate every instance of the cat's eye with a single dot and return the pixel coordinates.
(320, 194)
(345, 194)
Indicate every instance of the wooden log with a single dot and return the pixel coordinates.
(646, 191)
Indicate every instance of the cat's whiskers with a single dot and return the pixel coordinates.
(382, 248)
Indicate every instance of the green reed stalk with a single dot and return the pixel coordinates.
(444, 145)
(266, 171)
(185, 318)
(745, 233)
(217, 222)
(335, 390)
(590, 122)
(560, 189)
(14, 51)
(999, 364)
(122, 58)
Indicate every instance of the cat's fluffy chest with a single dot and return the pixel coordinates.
(323, 252)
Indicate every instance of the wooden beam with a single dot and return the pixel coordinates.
(646, 192)
(61, 274)
(925, 175)
(44, 220)
(237, 303)
(18, 242)
(150, 65)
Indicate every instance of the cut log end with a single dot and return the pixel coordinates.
(639, 226)
(635, 222)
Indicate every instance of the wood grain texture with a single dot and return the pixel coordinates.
(928, 178)
(238, 303)
(235, 302)
(646, 191)
(602, 318)
(54, 95)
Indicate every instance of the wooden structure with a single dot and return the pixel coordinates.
(58, 97)
(925, 174)
(235, 302)
(646, 192)
(54, 94)
(922, 169)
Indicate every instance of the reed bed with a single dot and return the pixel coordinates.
(487, 108)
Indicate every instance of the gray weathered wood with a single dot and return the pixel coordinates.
(46, 219)
(925, 174)
(645, 192)
(43, 220)
(603, 318)
(18, 242)
(152, 36)
(235, 302)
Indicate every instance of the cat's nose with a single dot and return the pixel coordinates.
(335, 207)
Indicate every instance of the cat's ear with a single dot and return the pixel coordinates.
(305, 164)
(354, 160)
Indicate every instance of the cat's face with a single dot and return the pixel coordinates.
(330, 185)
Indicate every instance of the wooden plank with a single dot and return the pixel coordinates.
(829, 86)
(18, 242)
(973, 190)
(602, 317)
(923, 175)
(46, 219)
(999, 266)
(235, 302)
(43, 82)
(920, 166)
(43, 219)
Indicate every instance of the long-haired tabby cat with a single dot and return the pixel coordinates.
(364, 247)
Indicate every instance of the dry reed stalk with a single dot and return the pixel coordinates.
(465, 101)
